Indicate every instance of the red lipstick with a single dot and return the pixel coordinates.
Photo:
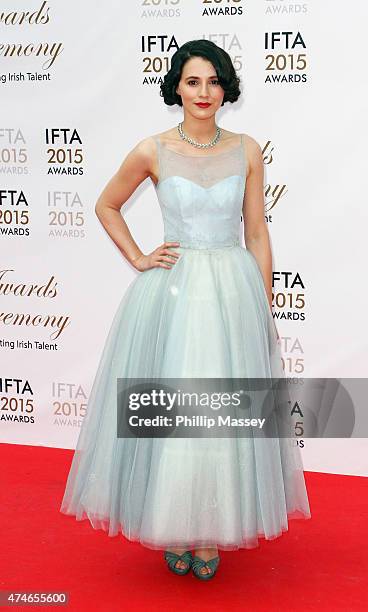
(203, 104)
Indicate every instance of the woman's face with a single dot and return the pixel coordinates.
(199, 84)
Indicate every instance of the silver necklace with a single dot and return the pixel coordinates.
(200, 145)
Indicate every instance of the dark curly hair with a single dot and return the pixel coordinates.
(208, 50)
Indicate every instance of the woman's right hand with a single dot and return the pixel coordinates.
(157, 258)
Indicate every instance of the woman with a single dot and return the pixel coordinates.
(201, 308)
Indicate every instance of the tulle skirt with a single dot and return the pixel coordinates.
(206, 317)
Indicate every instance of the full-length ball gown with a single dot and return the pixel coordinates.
(206, 317)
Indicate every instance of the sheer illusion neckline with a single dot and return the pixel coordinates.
(237, 146)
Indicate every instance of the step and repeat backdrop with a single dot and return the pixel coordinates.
(79, 88)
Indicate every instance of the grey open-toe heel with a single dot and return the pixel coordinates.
(172, 558)
(198, 563)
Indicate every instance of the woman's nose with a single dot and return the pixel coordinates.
(204, 90)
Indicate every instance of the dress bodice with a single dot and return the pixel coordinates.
(201, 196)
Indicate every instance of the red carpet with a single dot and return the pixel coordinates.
(319, 564)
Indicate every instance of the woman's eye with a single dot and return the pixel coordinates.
(193, 82)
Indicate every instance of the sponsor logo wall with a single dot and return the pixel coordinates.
(79, 88)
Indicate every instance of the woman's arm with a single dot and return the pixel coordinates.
(256, 236)
(135, 168)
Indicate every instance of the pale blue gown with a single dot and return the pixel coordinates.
(207, 316)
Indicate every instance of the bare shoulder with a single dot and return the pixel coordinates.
(168, 136)
(148, 149)
(144, 149)
(251, 142)
(143, 156)
(253, 152)
(252, 149)
(228, 136)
